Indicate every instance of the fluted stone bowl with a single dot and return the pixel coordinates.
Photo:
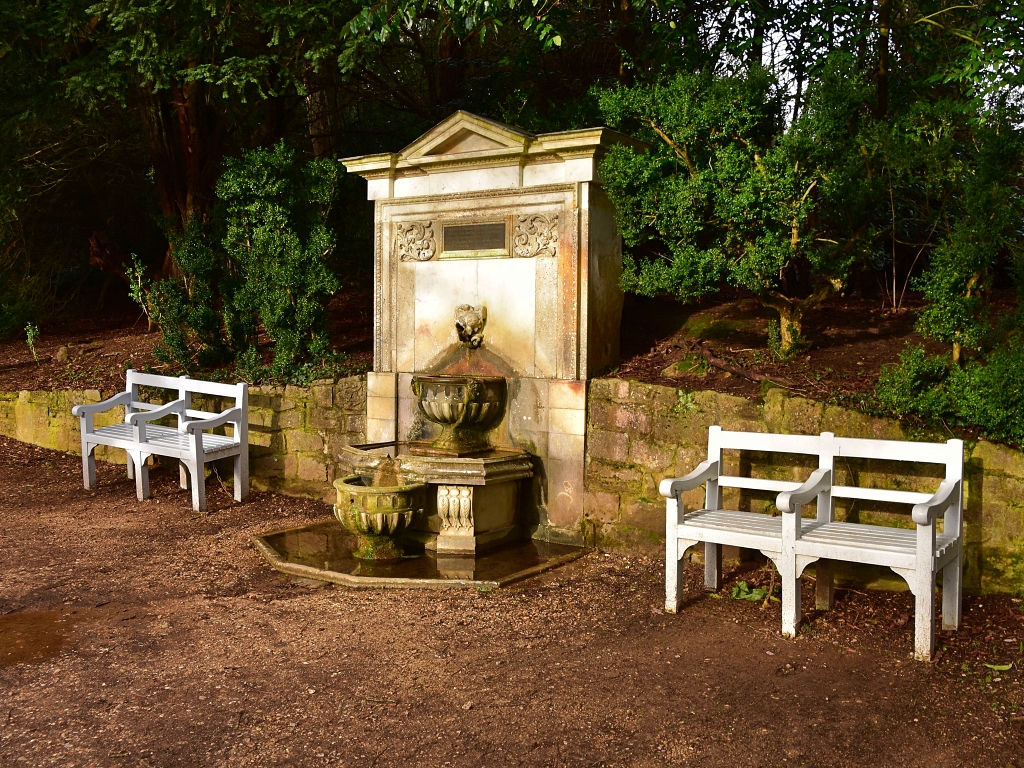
(466, 407)
(377, 515)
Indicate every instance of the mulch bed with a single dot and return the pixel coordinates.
(850, 340)
(141, 634)
(93, 352)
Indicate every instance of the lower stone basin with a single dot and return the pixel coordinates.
(323, 551)
(471, 501)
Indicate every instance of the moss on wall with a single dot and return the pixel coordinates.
(294, 432)
(639, 434)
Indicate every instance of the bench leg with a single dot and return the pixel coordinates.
(241, 479)
(198, 488)
(790, 598)
(88, 467)
(951, 588)
(924, 617)
(675, 576)
(824, 589)
(712, 565)
(130, 466)
(183, 476)
(141, 479)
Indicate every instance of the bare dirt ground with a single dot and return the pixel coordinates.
(142, 634)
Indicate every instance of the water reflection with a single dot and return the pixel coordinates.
(328, 546)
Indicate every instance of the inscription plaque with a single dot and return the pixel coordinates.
(474, 240)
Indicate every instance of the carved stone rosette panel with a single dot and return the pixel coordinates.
(455, 509)
(536, 235)
(414, 240)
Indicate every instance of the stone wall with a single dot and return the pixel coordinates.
(639, 434)
(293, 431)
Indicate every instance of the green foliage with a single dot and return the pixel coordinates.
(982, 230)
(988, 395)
(31, 336)
(279, 241)
(728, 195)
(740, 591)
(194, 311)
(918, 384)
(270, 270)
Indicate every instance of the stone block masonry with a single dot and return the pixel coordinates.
(295, 433)
(638, 434)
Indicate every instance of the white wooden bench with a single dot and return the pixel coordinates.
(792, 542)
(189, 441)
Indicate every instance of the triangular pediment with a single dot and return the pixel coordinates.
(466, 134)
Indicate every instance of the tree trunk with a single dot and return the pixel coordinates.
(882, 85)
(450, 72)
(319, 109)
(755, 54)
(792, 311)
(185, 138)
(626, 39)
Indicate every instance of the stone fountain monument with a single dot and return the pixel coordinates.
(496, 266)
(496, 271)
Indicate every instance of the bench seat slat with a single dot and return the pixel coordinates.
(162, 437)
(740, 529)
(861, 543)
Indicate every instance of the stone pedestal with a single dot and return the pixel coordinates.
(473, 518)
(471, 501)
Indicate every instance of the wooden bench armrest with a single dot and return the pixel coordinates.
(820, 480)
(706, 470)
(121, 398)
(232, 414)
(948, 493)
(173, 407)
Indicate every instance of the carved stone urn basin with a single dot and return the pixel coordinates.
(377, 514)
(466, 407)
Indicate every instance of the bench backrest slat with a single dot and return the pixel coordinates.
(200, 414)
(766, 441)
(878, 494)
(181, 384)
(818, 446)
(757, 483)
(897, 450)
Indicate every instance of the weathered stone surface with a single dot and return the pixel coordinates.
(604, 415)
(602, 506)
(998, 459)
(303, 442)
(323, 395)
(994, 487)
(604, 389)
(651, 456)
(613, 446)
(635, 420)
(646, 515)
(311, 468)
